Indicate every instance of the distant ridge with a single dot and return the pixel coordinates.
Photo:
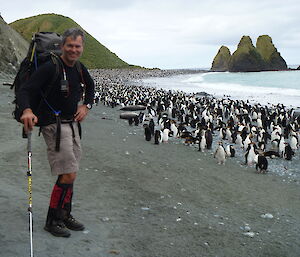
(95, 54)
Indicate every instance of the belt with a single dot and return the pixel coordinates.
(60, 121)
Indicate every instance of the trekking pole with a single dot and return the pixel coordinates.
(30, 191)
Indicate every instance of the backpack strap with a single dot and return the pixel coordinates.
(79, 69)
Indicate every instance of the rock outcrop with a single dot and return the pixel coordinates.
(269, 53)
(221, 60)
(13, 49)
(247, 57)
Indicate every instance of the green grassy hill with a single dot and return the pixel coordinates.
(95, 54)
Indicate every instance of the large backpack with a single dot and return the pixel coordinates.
(44, 46)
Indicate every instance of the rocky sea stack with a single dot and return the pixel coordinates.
(269, 53)
(247, 57)
(221, 61)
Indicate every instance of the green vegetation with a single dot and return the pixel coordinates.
(95, 55)
(269, 53)
(221, 60)
(246, 57)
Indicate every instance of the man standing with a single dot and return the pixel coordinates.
(59, 116)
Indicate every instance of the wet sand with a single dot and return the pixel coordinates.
(140, 199)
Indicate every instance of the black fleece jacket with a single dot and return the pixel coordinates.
(57, 101)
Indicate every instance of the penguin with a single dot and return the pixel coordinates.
(275, 144)
(261, 163)
(174, 129)
(165, 135)
(239, 140)
(220, 154)
(230, 152)
(247, 141)
(261, 146)
(202, 142)
(147, 132)
(208, 138)
(281, 146)
(288, 152)
(151, 126)
(250, 154)
(157, 137)
(228, 133)
(259, 123)
(293, 143)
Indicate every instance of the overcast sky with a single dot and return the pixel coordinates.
(174, 33)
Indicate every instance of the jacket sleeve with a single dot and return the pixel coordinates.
(32, 87)
(89, 86)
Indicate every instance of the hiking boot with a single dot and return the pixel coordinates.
(73, 224)
(57, 228)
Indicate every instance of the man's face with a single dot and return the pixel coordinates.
(72, 50)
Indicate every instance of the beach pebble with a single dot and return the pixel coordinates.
(247, 228)
(267, 216)
(250, 234)
(114, 252)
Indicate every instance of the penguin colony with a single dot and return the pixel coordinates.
(261, 132)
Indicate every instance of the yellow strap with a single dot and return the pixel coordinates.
(33, 50)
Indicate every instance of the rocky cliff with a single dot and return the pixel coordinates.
(247, 57)
(221, 60)
(269, 53)
(13, 49)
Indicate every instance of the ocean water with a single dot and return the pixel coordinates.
(267, 88)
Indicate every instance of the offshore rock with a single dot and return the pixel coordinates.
(246, 57)
(269, 53)
(221, 60)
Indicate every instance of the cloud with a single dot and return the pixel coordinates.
(144, 32)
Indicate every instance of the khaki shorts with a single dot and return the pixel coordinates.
(67, 159)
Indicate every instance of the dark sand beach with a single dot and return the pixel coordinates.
(138, 199)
